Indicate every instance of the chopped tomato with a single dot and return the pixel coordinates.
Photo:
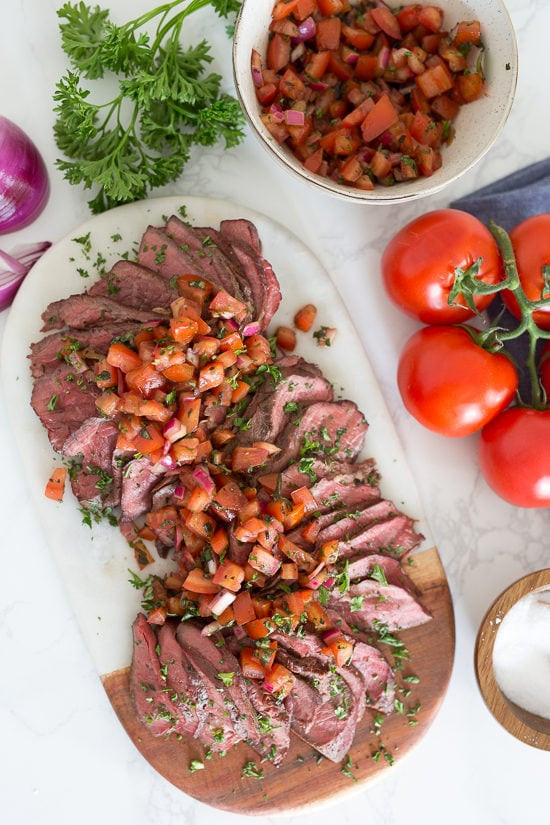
(121, 356)
(286, 338)
(250, 665)
(229, 575)
(55, 486)
(381, 117)
(279, 681)
(197, 582)
(243, 608)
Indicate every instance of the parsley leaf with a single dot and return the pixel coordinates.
(165, 103)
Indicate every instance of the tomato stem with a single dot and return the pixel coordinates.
(527, 322)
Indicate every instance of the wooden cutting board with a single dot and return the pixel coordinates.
(302, 781)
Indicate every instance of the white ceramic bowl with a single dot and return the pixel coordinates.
(478, 124)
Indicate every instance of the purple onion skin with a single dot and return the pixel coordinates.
(24, 183)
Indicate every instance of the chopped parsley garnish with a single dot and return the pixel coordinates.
(195, 765)
(251, 769)
(227, 678)
(346, 768)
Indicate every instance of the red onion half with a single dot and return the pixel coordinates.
(14, 267)
(24, 184)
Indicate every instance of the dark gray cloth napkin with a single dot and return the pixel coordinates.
(512, 199)
(507, 202)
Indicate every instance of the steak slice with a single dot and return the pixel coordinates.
(186, 689)
(388, 605)
(326, 723)
(63, 401)
(152, 701)
(240, 230)
(49, 351)
(222, 256)
(394, 536)
(363, 566)
(325, 426)
(92, 479)
(82, 310)
(198, 246)
(138, 481)
(292, 477)
(229, 695)
(344, 522)
(266, 412)
(273, 722)
(377, 677)
(136, 286)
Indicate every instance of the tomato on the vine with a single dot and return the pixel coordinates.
(419, 264)
(514, 456)
(450, 384)
(531, 242)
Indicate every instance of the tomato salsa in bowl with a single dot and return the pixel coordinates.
(374, 102)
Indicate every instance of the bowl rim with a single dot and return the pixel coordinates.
(495, 700)
(387, 195)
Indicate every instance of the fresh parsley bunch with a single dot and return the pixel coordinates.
(166, 100)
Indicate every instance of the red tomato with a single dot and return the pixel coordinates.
(514, 456)
(450, 384)
(419, 263)
(531, 242)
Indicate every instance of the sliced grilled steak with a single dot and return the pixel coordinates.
(63, 401)
(241, 231)
(363, 566)
(273, 722)
(186, 689)
(92, 445)
(83, 310)
(377, 676)
(388, 605)
(49, 351)
(274, 404)
(135, 286)
(208, 259)
(228, 695)
(394, 536)
(152, 701)
(346, 522)
(221, 256)
(335, 426)
(365, 471)
(164, 254)
(138, 481)
(326, 724)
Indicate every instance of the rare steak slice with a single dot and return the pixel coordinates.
(82, 310)
(377, 677)
(187, 691)
(240, 230)
(273, 722)
(346, 521)
(91, 448)
(58, 346)
(376, 605)
(394, 536)
(138, 481)
(63, 401)
(153, 703)
(335, 427)
(136, 286)
(227, 691)
(274, 404)
(318, 469)
(383, 569)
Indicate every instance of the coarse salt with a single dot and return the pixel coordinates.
(521, 655)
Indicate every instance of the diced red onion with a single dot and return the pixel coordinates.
(329, 582)
(239, 632)
(211, 566)
(76, 362)
(331, 635)
(384, 57)
(307, 29)
(276, 113)
(173, 430)
(256, 67)
(210, 629)
(294, 117)
(253, 327)
(221, 601)
(395, 158)
(297, 52)
(179, 491)
(318, 85)
(24, 184)
(386, 139)
(14, 267)
(268, 686)
(204, 479)
(351, 58)
(231, 325)
(244, 362)
(192, 357)
(166, 462)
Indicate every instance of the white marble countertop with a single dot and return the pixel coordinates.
(63, 755)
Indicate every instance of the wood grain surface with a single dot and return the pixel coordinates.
(528, 727)
(304, 780)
